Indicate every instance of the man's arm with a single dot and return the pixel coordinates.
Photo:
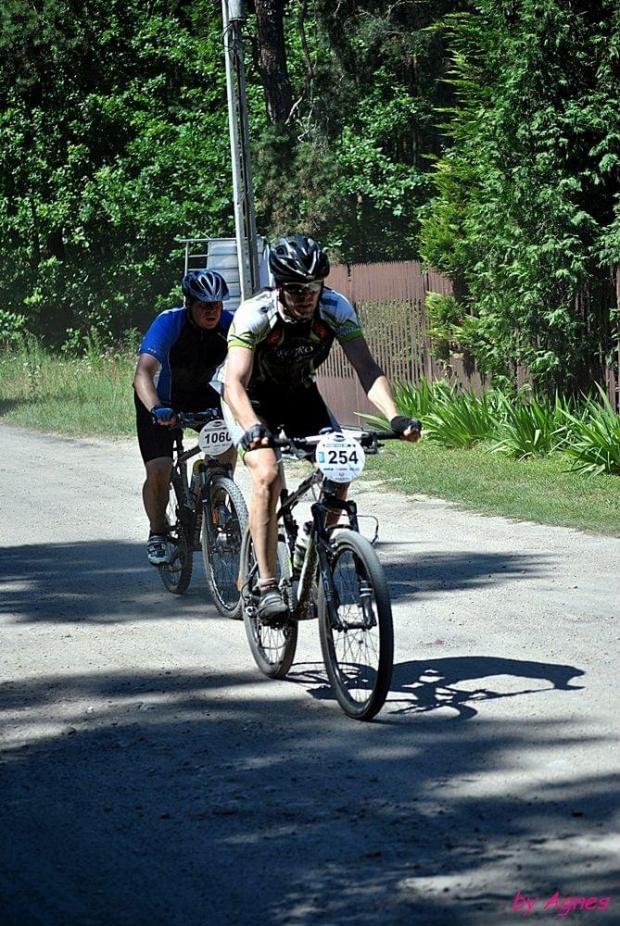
(144, 380)
(374, 381)
(239, 364)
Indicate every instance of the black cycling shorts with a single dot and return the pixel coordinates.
(155, 440)
(299, 412)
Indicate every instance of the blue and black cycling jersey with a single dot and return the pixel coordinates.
(189, 356)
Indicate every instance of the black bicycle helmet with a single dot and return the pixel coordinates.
(297, 259)
(206, 285)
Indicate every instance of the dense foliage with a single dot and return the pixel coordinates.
(526, 215)
(352, 164)
(114, 142)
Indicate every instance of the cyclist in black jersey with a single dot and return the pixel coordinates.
(276, 341)
(179, 355)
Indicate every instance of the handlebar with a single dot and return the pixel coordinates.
(197, 420)
(302, 446)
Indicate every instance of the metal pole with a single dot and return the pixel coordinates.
(248, 189)
(245, 227)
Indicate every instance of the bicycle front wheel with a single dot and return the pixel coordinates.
(224, 521)
(357, 637)
(176, 573)
(273, 647)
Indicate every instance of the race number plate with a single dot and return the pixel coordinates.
(340, 458)
(214, 438)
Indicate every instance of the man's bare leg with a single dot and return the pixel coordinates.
(155, 492)
(266, 488)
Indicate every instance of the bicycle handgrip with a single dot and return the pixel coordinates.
(197, 419)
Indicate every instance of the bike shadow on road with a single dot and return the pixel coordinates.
(422, 686)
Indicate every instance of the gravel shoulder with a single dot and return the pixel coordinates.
(150, 775)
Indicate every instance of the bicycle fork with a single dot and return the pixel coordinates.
(319, 548)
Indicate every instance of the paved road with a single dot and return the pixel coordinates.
(151, 776)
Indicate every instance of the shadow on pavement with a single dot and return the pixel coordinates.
(187, 797)
(436, 683)
(72, 582)
(208, 807)
(97, 581)
(423, 686)
(433, 572)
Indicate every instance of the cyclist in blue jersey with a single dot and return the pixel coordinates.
(179, 355)
(276, 342)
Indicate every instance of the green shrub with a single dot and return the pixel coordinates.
(529, 429)
(593, 442)
(418, 400)
(450, 328)
(12, 329)
(462, 419)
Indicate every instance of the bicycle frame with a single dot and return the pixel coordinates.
(319, 540)
(191, 494)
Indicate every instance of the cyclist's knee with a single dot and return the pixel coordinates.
(158, 471)
(265, 470)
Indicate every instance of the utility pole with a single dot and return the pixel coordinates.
(233, 16)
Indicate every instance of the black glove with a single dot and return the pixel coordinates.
(162, 414)
(401, 423)
(256, 432)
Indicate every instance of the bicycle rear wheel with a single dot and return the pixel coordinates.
(273, 647)
(224, 521)
(357, 637)
(177, 572)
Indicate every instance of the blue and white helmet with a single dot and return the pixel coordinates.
(205, 285)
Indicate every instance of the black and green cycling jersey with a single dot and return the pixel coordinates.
(287, 354)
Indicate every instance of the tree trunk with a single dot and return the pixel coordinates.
(276, 84)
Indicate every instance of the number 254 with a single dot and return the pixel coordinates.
(342, 457)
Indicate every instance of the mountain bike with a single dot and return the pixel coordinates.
(341, 580)
(205, 513)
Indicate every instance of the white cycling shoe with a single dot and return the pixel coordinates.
(157, 550)
(271, 606)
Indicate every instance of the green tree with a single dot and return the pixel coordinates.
(113, 140)
(365, 80)
(524, 211)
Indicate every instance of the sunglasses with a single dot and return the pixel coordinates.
(208, 306)
(300, 289)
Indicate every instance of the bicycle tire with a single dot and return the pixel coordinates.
(176, 574)
(224, 522)
(273, 648)
(358, 658)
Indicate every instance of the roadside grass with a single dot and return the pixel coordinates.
(538, 489)
(90, 396)
(83, 397)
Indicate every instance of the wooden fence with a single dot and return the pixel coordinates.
(390, 299)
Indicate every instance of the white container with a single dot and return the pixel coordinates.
(220, 254)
